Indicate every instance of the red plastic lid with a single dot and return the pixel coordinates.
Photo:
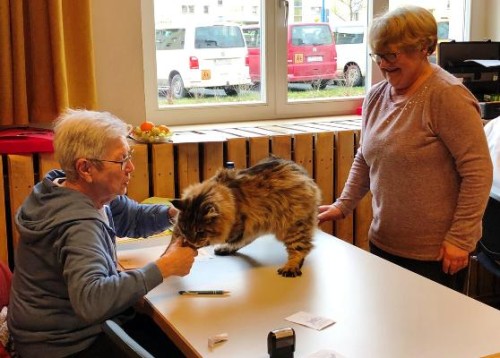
(26, 140)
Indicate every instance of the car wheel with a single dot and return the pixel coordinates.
(352, 75)
(177, 88)
(232, 90)
(320, 84)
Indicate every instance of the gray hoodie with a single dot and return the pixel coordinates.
(65, 281)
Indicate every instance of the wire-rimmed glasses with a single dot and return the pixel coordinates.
(123, 163)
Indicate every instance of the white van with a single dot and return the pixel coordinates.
(201, 56)
(350, 40)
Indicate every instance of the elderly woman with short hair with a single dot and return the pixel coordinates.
(66, 281)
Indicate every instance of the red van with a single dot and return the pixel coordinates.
(312, 56)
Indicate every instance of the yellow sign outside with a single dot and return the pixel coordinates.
(206, 75)
(299, 58)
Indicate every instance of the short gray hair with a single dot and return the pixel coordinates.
(84, 134)
(409, 27)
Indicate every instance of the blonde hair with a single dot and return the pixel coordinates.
(408, 27)
(84, 134)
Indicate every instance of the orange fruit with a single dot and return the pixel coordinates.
(146, 126)
(164, 128)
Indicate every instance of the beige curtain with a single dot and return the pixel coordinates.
(46, 59)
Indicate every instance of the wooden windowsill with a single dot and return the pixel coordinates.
(250, 124)
(226, 131)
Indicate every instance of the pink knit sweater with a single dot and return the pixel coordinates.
(427, 164)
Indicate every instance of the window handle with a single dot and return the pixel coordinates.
(284, 3)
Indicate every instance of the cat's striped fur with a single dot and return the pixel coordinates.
(234, 207)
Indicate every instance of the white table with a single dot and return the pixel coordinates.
(380, 309)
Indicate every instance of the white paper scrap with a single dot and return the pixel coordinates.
(326, 353)
(218, 338)
(310, 320)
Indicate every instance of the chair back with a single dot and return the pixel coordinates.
(124, 342)
(488, 263)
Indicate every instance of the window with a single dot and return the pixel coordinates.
(274, 74)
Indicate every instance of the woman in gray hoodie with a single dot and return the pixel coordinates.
(66, 281)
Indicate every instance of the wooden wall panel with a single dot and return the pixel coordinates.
(46, 163)
(4, 243)
(258, 149)
(138, 188)
(21, 175)
(188, 165)
(324, 171)
(237, 152)
(163, 170)
(281, 146)
(213, 158)
(344, 155)
(303, 151)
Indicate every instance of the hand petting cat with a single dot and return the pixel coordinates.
(177, 260)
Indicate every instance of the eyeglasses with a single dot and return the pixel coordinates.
(390, 57)
(123, 163)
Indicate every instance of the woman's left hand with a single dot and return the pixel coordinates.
(454, 258)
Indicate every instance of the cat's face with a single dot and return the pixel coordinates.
(200, 221)
(195, 223)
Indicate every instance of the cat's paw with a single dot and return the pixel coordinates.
(223, 251)
(289, 272)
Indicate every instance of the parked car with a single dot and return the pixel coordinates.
(312, 56)
(351, 53)
(201, 56)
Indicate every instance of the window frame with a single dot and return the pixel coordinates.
(275, 105)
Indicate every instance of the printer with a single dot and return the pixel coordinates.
(477, 63)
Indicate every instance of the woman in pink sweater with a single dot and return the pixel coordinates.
(423, 155)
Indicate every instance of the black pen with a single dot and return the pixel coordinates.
(204, 292)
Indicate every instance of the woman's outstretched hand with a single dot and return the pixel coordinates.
(329, 213)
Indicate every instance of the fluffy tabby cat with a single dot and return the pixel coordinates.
(234, 207)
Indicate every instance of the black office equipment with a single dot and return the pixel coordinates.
(477, 63)
(281, 343)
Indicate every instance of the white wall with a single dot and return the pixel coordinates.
(118, 52)
(485, 20)
(118, 56)
(493, 27)
(478, 25)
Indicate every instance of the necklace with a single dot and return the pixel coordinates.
(394, 110)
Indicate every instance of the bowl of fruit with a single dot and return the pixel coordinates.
(148, 132)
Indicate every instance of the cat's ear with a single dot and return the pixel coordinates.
(178, 204)
(211, 211)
